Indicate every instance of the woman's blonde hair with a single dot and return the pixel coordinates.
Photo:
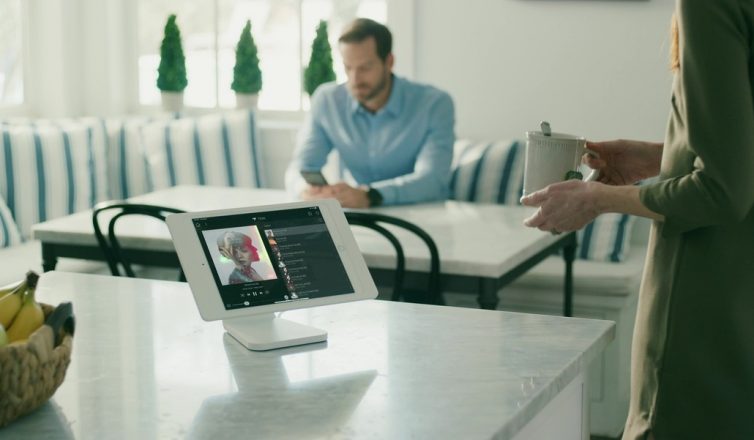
(675, 56)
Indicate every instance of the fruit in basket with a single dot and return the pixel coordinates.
(9, 288)
(30, 317)
(11, 303)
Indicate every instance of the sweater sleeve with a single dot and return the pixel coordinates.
(717, 114)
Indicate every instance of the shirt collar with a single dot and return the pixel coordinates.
(394, 103)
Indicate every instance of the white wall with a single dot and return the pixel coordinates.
(594, 68)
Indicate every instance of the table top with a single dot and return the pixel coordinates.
(146, 366)
(483, 240)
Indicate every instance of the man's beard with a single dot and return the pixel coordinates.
(377, 89)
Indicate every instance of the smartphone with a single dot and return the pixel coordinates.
(314, 178)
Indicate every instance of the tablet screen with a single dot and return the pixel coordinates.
(270, 257)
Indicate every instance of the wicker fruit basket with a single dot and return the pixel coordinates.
(31, 371)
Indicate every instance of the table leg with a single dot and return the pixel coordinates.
(488, 294)
(49, 257)
(569, 254)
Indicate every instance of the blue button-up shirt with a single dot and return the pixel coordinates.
(404, 150)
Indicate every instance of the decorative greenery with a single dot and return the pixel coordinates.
(171, 75)
(319, 70)
(247, 78)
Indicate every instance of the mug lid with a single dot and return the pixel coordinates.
(554, 136)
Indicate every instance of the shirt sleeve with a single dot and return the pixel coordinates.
(718, 113)
(430, 179)
(312, 148)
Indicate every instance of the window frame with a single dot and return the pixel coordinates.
(24, 107)
(400, 19)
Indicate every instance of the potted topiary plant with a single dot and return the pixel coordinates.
(247, 78)
(319, 70)
(171, 74)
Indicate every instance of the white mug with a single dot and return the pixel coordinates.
(550, 158)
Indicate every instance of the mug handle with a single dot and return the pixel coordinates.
(595, 173)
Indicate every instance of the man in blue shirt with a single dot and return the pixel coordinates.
(394, 136)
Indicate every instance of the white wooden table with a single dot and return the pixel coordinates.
(483, 247)
(145, 366)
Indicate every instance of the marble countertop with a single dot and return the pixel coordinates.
(146, 366)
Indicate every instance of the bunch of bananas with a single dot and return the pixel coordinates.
(20, 313)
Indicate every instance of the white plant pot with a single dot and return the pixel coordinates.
(247, 100)
(172, 101)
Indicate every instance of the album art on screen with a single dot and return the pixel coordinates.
(239, 255)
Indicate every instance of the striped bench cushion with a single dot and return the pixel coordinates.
(492, 172)
(488, 172)
(51, 170)
(218, 149)
(95, 130)
(607, 238)
(126, 158)
(9, 235)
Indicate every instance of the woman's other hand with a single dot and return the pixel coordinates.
(564, 206)
(623, 162)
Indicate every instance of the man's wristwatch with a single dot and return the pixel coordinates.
(374, 196)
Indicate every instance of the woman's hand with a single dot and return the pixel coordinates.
(564, 206)
(623, 162)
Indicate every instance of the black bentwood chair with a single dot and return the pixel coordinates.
(376, 222)
(110, 245)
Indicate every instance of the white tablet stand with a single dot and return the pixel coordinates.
(266, 332)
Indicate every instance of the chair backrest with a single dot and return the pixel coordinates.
(375, 221)
(110, 245)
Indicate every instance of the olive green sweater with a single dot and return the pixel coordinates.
(693, 350)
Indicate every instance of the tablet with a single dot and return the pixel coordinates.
(244, 264)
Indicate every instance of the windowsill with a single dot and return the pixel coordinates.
(268, 119)
(10, 111)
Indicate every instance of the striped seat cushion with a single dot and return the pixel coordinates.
(125, 154)
(218, 149)
(492, 172)
(9, 235)
(51, 170)
(95, 131)
(488, 172)
(607, 238)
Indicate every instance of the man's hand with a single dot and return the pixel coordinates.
(318, 192)
(350, 197)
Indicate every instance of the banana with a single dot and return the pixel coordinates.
(10, 304)
(30, 317)
(3, 336)
(9, 288)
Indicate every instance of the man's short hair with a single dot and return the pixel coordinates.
(363, 28)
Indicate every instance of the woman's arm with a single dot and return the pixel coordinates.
(709, 180)
(568, 206)
(625, 200)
